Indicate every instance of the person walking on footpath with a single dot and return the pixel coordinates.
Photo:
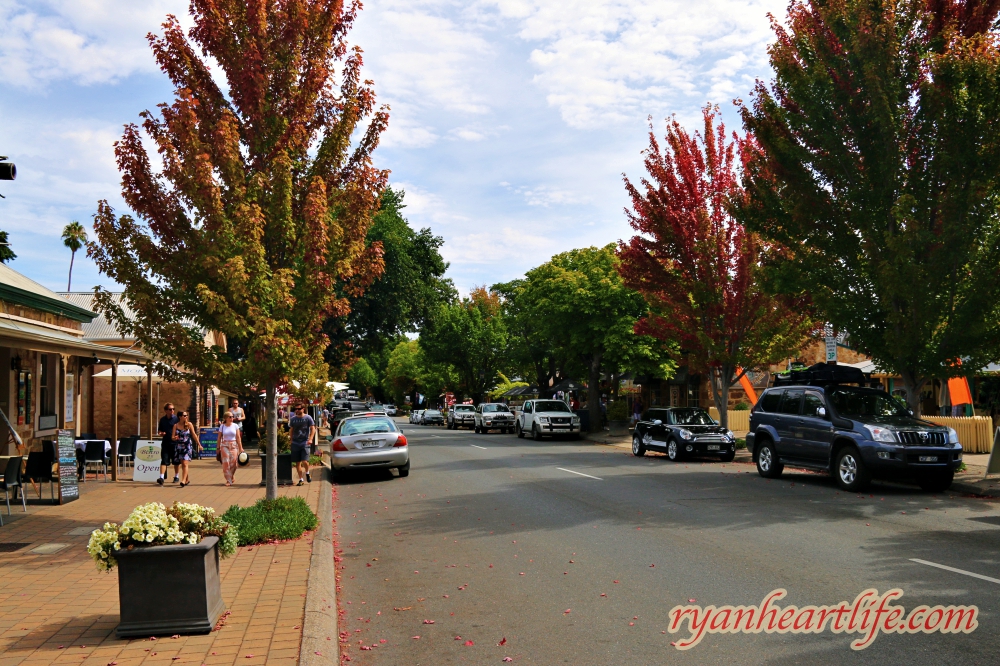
(230, 447)
(166, 431)
(238, 414)
(303, 429)
(185, 438)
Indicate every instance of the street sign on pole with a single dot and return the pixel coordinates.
(831, 349)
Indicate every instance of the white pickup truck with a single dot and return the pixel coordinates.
(547, 417)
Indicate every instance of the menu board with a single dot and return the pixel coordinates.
(69, 489)
(209, 438)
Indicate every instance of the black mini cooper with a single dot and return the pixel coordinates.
(681, 432)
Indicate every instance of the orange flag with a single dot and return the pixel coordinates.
(958, 390)
(748, 387)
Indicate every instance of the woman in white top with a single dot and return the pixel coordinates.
(230, 446)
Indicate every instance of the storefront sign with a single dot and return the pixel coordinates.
(147, 460)
(209, 438)
(68, 488)
(69, 414)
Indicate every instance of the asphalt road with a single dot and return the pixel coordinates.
(493, 537)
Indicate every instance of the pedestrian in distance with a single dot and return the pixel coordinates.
(166, 431)
(230, 447)
(185, 438)
(303, 429)
(238, 414)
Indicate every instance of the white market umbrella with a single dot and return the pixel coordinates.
(134, 373)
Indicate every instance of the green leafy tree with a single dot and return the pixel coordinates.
(6, 254)
(531, 350)
(879, 167)
(74, 236)
(591, 314)
(403, 371)
(400, 300)
(470, 335)
(361, 377)
(254, 228)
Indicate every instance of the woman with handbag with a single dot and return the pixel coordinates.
(230, 447)
(185, 438)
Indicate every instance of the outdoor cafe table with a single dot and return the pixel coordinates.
(81, 444)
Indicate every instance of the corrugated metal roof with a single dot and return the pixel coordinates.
(100, 328)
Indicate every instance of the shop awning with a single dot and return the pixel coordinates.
(42, 338)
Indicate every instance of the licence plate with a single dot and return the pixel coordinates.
(928, 458)
(369, 443)
(713, 447)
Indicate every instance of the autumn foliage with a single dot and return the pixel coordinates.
(698, 267)
(250, 219)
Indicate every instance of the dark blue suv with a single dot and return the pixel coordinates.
(852, 432)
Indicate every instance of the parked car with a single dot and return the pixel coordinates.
(493, 416)
(432, 417)
(461, 416)
(547, 417)
(390, 410)
(681, 432)
(336, 416)
(369, 441)
(416, 415)
(854, 433)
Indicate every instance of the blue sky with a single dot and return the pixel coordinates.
(512, 120)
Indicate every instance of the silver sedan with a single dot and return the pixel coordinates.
(370, 441)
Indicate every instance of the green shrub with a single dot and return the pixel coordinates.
(278, 519)
(741, 444)
(618, 411)
(741, 406)
(315, 460)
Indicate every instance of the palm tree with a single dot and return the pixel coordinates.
(73, 236)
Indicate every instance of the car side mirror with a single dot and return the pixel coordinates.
(657, 422)
(821, 412)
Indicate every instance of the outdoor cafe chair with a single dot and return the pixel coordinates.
(12, 481)
(126, 451)
(87, 435)
(38, 470)
(93, 454)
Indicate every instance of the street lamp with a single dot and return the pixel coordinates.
(8, 171)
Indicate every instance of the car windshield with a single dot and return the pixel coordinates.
(859, 402)
(432, 412)
(494, 408)
(464, 408)
(551, 406)
(366, 426)
(692, 417)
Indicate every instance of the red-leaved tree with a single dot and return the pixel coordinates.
(698, 267)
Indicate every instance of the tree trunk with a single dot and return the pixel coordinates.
(720, 381)
(594, 394)
(271, 439)
(914, 385)
(69, 282)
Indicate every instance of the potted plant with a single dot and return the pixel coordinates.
(284, 460)
(158, 549)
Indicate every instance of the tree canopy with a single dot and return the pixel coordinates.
(879, 167)
(254, 226)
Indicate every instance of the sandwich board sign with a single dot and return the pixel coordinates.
(147, 460)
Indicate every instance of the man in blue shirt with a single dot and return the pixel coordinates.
(166, 430)
(302, 429)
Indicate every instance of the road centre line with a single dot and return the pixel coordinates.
(478, 447)
(563, 469)
(959, 571)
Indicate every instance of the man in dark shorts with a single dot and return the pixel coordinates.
(302, 430)
(166, 430)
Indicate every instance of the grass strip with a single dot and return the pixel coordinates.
(269, 520)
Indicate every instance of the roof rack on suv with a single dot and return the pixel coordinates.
(821, 374)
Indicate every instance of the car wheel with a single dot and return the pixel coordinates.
(404, 471)
(767, 461)
(536, 433)
(520, 433)
(638, 450)
(673, 450)
(728, 457)
(476, 429)
(850, 470)
(938, 482)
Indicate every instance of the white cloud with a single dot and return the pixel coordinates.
(83, 41)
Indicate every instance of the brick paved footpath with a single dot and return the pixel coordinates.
(58, 609)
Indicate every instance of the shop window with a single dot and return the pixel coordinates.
(692, 396)
(48, 391)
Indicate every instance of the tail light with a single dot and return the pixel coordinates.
(400, 441)
(338, 445)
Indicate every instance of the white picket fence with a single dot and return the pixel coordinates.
(974, 432)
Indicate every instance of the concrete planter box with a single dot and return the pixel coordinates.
(165, 590)
(284, 469)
